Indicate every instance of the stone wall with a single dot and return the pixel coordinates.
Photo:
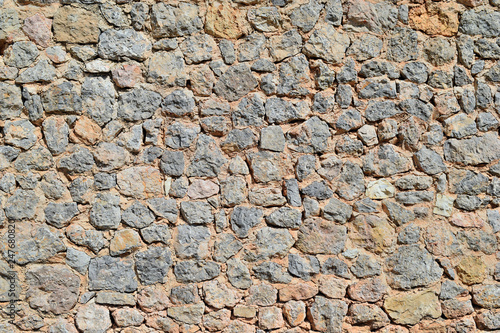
(249, 166)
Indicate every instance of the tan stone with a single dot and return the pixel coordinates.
(140, 182)
(124, 241)
(294, 312)
(270, 318)
(224, 21)
(76, 25)
(217, 320)
(201, 189)
(87, 130)
(298, 291)
(380, 189)
(220, 295)
(372, 233)
(245, 311)
(368, 290)
(471, 270)
(435, 19)
(410, 308)
(153, 298)
(467, 220)
(332, 286)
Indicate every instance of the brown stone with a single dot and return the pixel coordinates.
(372, 233)
(224, 21)
(220, 295)
(201, 189)
(332, 286)
(87, 130)
(38, 28)
(217, 320)
(435, 18)
(454, 308)
(76, 25)
(368, 290)
(153, 298)
(124, 241)
(127, 317)
(127, 75)
(270, 318)
(298, 291)
(471, 270)
(140, 182)
(52, 288)
(467, 220)
(294, 312)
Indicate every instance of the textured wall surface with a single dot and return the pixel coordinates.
(249, 166)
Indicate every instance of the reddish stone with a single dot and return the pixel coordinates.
(126, 76)
(38, 29)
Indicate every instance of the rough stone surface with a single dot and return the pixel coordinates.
(250, 165)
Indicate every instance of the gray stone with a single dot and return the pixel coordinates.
(465, 48)
(138, 15)
(10, 107)
(43, 71)
(281, 111)
(349, 120)
(265, 19)
(37, 158)
(366, 267)
(335, 266)
(270, 243)
(164, 208)
(92, 239)
(172, 163)
(460, 76)
(416, 71)
(324, 102)
(198, 48)
(439, 51)
(350, 183)
(235, 83)
(178, 103)
(272, 272)
(318, 189)
(487, 122)
(303, 267)
(250, 111)
(127, 43)
(137, 215)
(227, 51)
(179, 135)
(310, 137)
(152, 265)
(238, 140)
(480, 22)
(412, 267)
(179, 187)
(110, 273)
(429, 161)
(365, 47)
(409, 235)
(238, 274)
(78, 260)
(493, 74)
(79, 160)
(373, 88)
(265, 166)
(375, 17)
(292, 192)
(138, 104)
(197, 212)
(225, 247)
(328, 44)
(385, 161)
(98, 96)
(208, 158)
(306, 16)
(243, 219)
(327, 315)
(272, 138)
(20, 54)
(294, 77)
(285, 217)
(60, 214)
(175, 21)
(194, 271)
(377, 68)
(286, 45)
(337, 211)
(93, 318)
(417, 108)
(473, 151)
(251, 47)
(156, 233)
(306, 165)
(61, 98)
(21, 205)
(104, 181)
(105, 212)
(403, 45)
(378, 110)
(55, 132)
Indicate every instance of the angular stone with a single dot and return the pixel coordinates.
(375, 17)
(285, 45)
(306, 16)
(317, 236)
(105, 211)
(328, 44)
(153, 264)
(60, 214)
(327, 315)
(207, 160)
(224, 21)
(140, 182)
(235, 83)
(76, 25)
(380, 189)
(473, 151)
(124, 241)
(480, 22)
(38, 29)
(471, 270)
(167, 68)
(412, 267)
(11, 103)
(190, 271)
(410, 308)
(175, 21)
(238, 274)
(402, 45)
(93, 318)
(385, 161)
(109, 273)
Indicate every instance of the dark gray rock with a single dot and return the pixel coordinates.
(194, 271)
(178, 103)
(235, 83)
(243, 219)
(366, 267)
(21, 205)
(105, 212)
(137, 215)
(60, 214)
(152, 265)
(304, 267)
(272, 272)
(110, 273)
(197, 212)
(138, 104)
(172, 163)
(208, 158)
(337, 211)
(285, 217)
(480, 22)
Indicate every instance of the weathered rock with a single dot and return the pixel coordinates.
(327, 315)
(410, 308)
(153, 264)
(328, 44)
(75, 25)
(175, 21)
(317, 236)
(109, 273)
